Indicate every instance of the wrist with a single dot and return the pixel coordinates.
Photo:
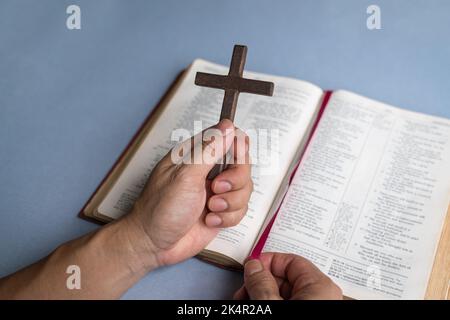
(138, 251)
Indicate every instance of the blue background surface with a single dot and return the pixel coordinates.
(70, 100)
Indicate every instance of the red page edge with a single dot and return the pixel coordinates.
(256, 252)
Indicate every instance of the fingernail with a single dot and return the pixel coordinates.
(253, 266)
(223, 186)
(213, 220)
(218, 204)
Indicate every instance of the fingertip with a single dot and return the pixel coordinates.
(213, 220)
(253, 266)
(253, 255)
(221, 186)
(217, 204)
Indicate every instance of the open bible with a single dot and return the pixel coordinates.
(358, 187)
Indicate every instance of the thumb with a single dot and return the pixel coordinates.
(211, 145)
(259, 282)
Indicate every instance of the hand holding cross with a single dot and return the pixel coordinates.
(233, 83)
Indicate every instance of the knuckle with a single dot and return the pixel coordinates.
(309, 279)
(235, 217)
(241, 214)
(176, 172)
(231, 219)
(261, 286)
(266, 294)
(181, 174)
(239, 201)
(256, 281)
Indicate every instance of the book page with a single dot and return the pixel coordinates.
(369, 199)
(194, 108)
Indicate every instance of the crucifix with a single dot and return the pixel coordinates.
(233, 83)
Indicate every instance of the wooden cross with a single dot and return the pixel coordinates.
(233, 83)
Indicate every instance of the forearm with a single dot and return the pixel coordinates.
(110, 261)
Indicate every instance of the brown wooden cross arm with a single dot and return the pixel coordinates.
(233, 84)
